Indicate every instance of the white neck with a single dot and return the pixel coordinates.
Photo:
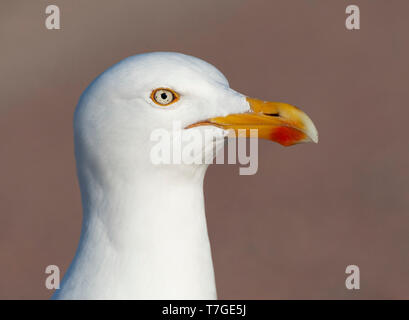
(143, 238)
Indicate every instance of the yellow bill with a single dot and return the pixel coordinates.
(275, 121)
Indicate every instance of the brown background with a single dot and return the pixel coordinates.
(311, 210)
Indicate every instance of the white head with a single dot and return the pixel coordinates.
(119, 110)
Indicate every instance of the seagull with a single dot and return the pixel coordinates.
(144, 233)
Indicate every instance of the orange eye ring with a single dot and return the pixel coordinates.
(164, 96)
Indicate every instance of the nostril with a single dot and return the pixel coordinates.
(272, 114)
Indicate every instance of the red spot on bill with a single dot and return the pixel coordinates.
(287, 136)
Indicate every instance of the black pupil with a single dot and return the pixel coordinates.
(164, 96)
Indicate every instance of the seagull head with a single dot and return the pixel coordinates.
(118, 112)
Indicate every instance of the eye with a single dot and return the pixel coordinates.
(164, 97)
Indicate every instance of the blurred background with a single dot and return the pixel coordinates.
(287, 232)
